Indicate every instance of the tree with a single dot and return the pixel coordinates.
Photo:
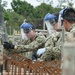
(2, 24)
(41, 10)
(30, 13)
(16, 20)
(22, 8)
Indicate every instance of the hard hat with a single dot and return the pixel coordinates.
(27, 26)
(49, 17)
(65, 12)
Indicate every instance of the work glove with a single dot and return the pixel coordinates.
(7, 45)
(41, 51)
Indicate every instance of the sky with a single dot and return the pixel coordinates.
(32, 2)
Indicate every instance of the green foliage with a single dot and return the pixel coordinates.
(22, 8)
(6, 15)
(42, 10)
(15, 20)
(27, 10)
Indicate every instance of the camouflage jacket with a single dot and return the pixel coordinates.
(72, 30)
(32, 45)
(53, 44)
(70, 35)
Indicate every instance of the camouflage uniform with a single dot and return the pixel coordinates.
(31, 45)
(53, 45)
(72, 29)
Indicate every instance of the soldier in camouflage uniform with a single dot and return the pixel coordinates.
(53, 43)
(51, 23)
(53, 46)
(35, 41)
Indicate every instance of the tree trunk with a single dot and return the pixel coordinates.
(4, 36)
